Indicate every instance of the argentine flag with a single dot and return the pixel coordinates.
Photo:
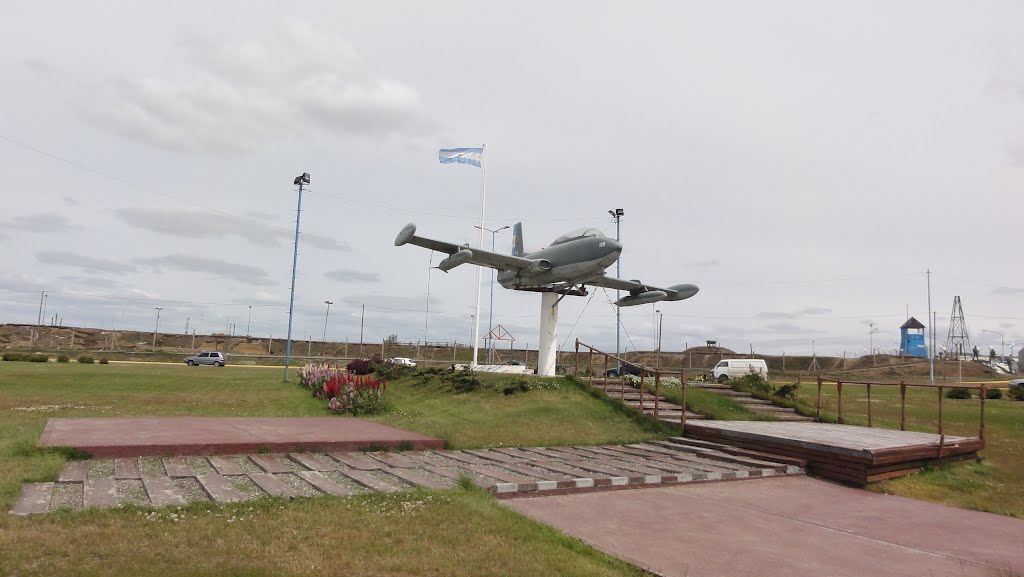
(472, 156)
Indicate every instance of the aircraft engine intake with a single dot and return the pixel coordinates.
(642, 298)
(541, 265)
(461, 257)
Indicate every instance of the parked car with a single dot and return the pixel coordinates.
(206, 358)
(402, 362)
(516, 363)
(736, 368)
(1016, 383)
(626, 369)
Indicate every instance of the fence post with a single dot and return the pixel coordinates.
(839, 401)
(682, 401)
(590, 365)
(869, 404)
(643, 373)
(606, 374)
(657, 393)
(903, 406)
(942, 436)
(577, 372)
(818, 409)
(981, 427)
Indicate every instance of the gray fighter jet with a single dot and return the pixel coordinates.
(567, 266)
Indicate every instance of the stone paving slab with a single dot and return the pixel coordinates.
(505, 472)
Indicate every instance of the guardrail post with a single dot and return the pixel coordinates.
(869, 404)
(839, 401)
(942, 437)
(577, 372)
(818, 406)
(682, 401)
(981, 426)
(657, 394)
(643, 373)
(903, 406)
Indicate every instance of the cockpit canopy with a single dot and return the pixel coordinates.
(578, 233)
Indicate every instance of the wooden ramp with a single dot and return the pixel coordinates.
(847, 453)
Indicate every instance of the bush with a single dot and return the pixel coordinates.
(360, 367)
(104, 360)
(391, 371)
(787, 391)
(63, 359)
(753, 383)
(463, 381)
(26, 357)
(958, 393)
(1016, 392)
(994, 394)
(86, 360)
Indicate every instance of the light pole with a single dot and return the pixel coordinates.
(158, 309)
(248, 324)
(490, 310)
(871, 346)
(661, 319)
(327, 314)
(1002, 342)
(617, 214)
(301, 181)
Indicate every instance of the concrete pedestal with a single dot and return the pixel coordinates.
(547, 353)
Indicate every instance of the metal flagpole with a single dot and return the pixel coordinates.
(479, 272)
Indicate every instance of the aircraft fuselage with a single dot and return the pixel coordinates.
(572, 262)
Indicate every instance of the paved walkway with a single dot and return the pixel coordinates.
(153, 481)
(786, 526)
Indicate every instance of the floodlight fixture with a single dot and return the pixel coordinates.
(302, 179)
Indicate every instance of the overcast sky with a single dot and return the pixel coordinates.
(804, 163)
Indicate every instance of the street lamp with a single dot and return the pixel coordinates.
(248, 324)
(158, 309)
(1002, 342)
(300, 181)
(872, 330)
(490, 311)
(617, 214)
(324, 339)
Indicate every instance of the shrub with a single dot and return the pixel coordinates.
(62, 359)
(958, 393)
(391, 371)
(104, 360)
(1016, 392)
(753, 383)
(26, 357)
(993, 394)
(359, 367)
(463, 381)
(787, 391)
(86, 360)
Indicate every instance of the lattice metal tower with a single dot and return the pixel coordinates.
(958, 342)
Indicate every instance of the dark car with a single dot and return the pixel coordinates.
(627, 369)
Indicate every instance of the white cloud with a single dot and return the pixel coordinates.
(239, 96)
(211, 266)
(85, 262)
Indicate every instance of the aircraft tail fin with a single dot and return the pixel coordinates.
(517, 240)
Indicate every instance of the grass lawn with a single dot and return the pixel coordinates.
(996, 484)
(414, 533)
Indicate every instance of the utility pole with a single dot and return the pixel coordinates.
(362, 317)
(661, 318)
(301, 181)
(617, 214)
(490, 310)
(157, 328)
(187, 319)
(871, 346)
(327, 314)
(931, 348)
(248, 324)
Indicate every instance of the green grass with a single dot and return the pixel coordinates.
(461, 532)
(996, 484)
(711, 405)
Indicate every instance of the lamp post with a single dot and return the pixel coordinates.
(324, 339)
(872, 330)
(248, 324)
(661, 319)
(1002, 342)
(490, 310)
(301, 181)
(158, 309)
(617, 214)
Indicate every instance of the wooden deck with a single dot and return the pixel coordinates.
(847, 453)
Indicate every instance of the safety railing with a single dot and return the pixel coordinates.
(645, 372)
(903, 386)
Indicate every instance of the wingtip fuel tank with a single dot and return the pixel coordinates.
(406, 234)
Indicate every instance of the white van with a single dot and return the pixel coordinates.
(736, 368)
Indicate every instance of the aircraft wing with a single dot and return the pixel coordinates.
(640, 293)
(460, 254)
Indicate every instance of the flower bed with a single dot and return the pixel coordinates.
(346, 393)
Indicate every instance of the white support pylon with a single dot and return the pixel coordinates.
(547, 353)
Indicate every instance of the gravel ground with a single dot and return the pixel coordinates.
(401, 484)
(293, 465)
(66, 495)
(247, 465)
(246, 487)
(101, 469)
(191, 489)
(344, 481)
(131, 491)
(200, 465)
(151, 467)
(301, 487)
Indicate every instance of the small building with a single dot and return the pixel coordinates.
(912, 343)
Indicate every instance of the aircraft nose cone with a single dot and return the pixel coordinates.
(614, 245)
